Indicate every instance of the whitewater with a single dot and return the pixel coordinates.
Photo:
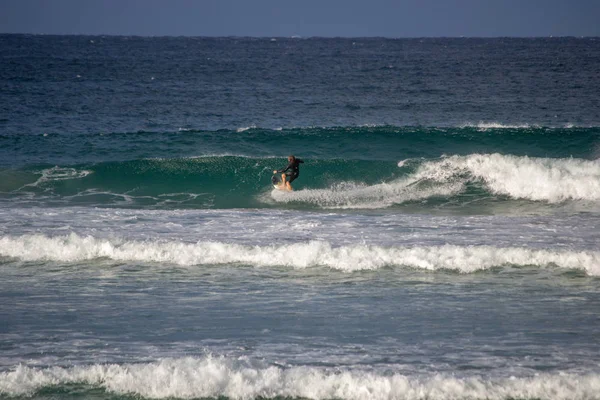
(210, 377)
(301, 255)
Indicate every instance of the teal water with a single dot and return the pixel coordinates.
(380, 143)
(362, 167)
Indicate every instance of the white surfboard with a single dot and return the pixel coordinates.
(277, 184)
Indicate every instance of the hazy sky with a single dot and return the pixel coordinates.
(400, 18)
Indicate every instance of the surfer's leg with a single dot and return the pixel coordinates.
(283, 180)
(288, 183)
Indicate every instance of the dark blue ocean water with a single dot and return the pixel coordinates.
(442, 240)
(81, 84)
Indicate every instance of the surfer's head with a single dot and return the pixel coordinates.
(291, 158)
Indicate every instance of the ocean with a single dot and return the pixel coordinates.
(442, 240)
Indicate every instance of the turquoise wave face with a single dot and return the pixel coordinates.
(471, 183)
(482, 168)
(202, 182)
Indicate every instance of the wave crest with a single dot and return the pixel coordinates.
(463, 259)
(537, 179)
(212, 377)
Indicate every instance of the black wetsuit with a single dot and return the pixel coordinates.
(292, 170)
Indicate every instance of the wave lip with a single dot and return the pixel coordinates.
(462, 259)
(212, 377)
(537, 179)
(483, 126)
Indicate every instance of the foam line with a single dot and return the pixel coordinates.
(463, 259)
(57, 174)
(497, 125)
(348, 195)
(214, 377)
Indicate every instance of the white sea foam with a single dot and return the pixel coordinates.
(538, 179)
(483, 126)
(212, 377)
(58, 174)
(348, 195)
(245, 128)
(463, 259)
(61, 174)
(402, 163)
(497, 125)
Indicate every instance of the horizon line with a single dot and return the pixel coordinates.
(295, 36)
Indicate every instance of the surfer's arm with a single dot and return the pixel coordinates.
(290, 165)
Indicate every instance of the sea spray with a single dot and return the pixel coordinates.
(537, 179)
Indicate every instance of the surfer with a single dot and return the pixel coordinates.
(290, 172)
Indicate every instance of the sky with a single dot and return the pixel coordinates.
(305, 18)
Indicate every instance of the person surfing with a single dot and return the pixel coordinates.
(289, 173)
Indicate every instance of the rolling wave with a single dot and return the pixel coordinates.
(219, 377)
(348, 258)
(537, 179)
(244, 182)
(482, 175)
(380, 143)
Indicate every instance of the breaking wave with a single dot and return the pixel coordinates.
(462, 259)
(538, 179)
(483, 175)
(244, 182)
(218, 377)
